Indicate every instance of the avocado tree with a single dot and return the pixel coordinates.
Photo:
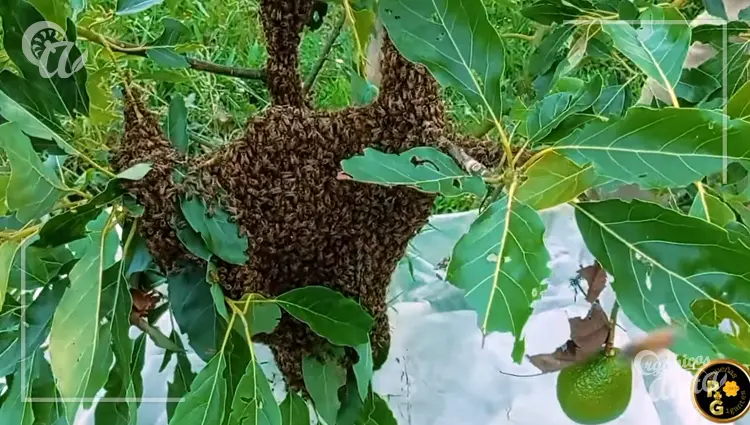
(288, 233)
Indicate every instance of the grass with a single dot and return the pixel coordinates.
(229, 32)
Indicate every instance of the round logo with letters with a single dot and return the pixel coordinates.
(721, 391)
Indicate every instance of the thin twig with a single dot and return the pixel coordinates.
(196, 64)
(519, 36)
(469, 164)
(610, 344)
(310, 80)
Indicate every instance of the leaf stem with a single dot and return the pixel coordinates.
(323, 55)
(536, 157)
(609, 346)
(518, 36)
(196, 64)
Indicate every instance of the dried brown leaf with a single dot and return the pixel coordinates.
(596, 277)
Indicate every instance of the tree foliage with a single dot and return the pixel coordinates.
(72, 261)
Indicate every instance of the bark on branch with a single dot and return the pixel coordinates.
(468, 163)
(120, 46)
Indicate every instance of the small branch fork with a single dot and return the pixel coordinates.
(468, 163)
(323, 55)
(196, 64)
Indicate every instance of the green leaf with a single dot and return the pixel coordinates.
(67, 227)
(323, 381)
(43, 387)
(136, 172)
(739, 104)
(38, 317)
(548, 12)
(501, 263)
(696, 85)
(56, 11)
(715, 8)
(100, 365)
(351, 402)
(192, 241)
(644, 246)
(552, 46)
(127, 7)
(204, 404)
(33, 189)
(221, 236)
(75, 331)
(554, 180)
(253, 401)
(182, 379)
(163, 52)
(217, 293)
(628, 11)
(612, 101)
(424, 168)
(261, 316)
(658, 48)
(168, 58)
(294, 410)
(329, 314)
(8, 252)
(716, 34)
(193, 308)
(177, 129)
(15, 409)
(710, 208)
(376, 412)
(659, 148)
(456, 42)
(363, 91)
(547, 114)
(363, 369)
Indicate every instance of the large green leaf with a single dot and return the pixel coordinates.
(657, 47)
(43, 387)
(711, 208)
(552, 46)
(645, 247)
(7, 253)
(501, 263)
(424, 168)
(261, 316)
(38, 317)
(75, 331)
(205, 403)
(56, 11)
(323, 381)
(221, 235)
(33, 188)
(696, 85)
(339, 319)
(182, 379)
(554, 180)
(66, 227)
(455, 41)
(549, 12)
(659, 148)
(294, 410)
(163, 52)
(253, 401)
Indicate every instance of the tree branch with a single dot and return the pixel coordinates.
(196, 64)
(323, 55)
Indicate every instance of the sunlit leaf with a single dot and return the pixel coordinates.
(554, 180)
(136, 172)
(425, 168)
(739, 104)
(261, 316)
(363, 369)
(711, 208)
(339, 319)
(501, 263)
